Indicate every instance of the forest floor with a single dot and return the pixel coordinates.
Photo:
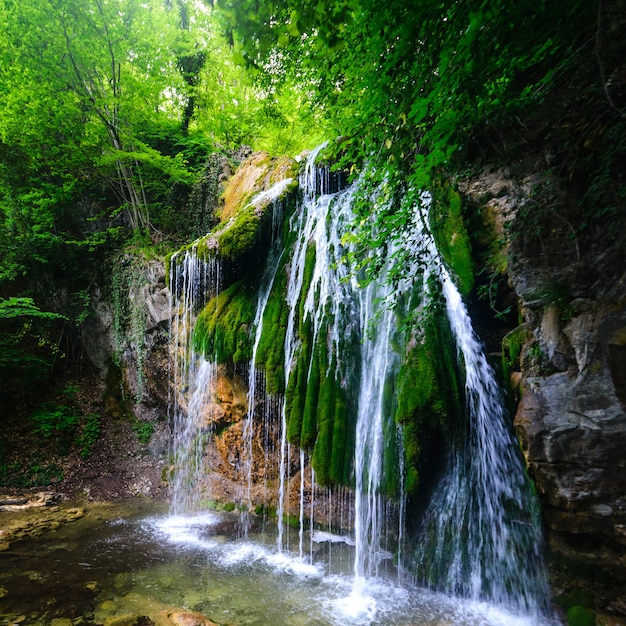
(120, 459)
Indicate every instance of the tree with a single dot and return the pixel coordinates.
(93, 74)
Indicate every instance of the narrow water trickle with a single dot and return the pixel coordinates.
(192, 282)
(265, 288)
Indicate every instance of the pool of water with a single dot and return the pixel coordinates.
(146, 563)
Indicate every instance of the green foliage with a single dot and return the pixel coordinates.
(143, 430)
(19, 476)
(29, 340)
(24, 307)
(62, 425)
(222, 330)
(415, 88)
(512, 345)
(91, 428)
(242, 107)
(53, 420)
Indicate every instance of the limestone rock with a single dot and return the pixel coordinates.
(187, 618)
(573, 434)
(159, 306)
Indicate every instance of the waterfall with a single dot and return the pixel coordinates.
(193, 281)
(480, 529)
(328, 297)
(376, 357)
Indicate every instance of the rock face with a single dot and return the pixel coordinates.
(572, 426)
(568, 370)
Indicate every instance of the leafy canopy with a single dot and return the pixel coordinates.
(409, 85)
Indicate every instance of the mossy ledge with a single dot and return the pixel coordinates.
(222, 330)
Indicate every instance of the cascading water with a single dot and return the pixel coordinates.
(479, 533)
(328, 300)
(376, 360)
(483, 519)
(192, 280)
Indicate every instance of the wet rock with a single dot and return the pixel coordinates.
(34, 521)
(186, 618)
(572, 427)
(129, 619)
(228, 403)
(123, 582)
(108, 606)
(158, 304)
(31, 501)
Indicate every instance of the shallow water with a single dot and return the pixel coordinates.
(98, 568)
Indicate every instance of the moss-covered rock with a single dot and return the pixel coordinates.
(581, 616)
(244, 214)
(512, 344)
(334, 447)
(222, 330)
(451, 236)
(428, 389)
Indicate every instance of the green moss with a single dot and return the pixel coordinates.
(391, 467)
(334, 445)
(341, 451)
(296, 394)
(309, 267)
(291, 520)
(512, 345)
(265, 510)
(429, 396)
(322, 453)
(581, 616)
(271, 348)
(239, 235)
(222, 330)
(308, 433)
(451, 236)
(411, 442)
